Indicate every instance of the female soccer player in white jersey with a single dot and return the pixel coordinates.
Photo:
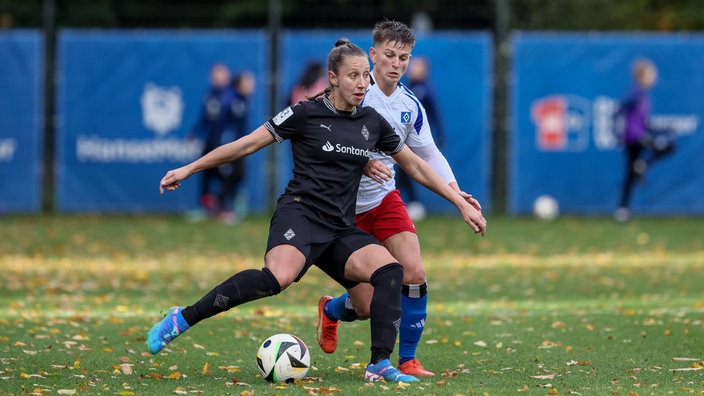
(380, 210)
(331, 138)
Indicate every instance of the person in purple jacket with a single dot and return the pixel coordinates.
(641, 143)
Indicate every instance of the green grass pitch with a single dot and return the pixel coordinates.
(579, 306)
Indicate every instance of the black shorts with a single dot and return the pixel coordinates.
(324, 245)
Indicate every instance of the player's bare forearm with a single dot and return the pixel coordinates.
(233, 151)
(420, 171)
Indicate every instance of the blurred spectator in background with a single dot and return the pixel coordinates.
(419, 83)
(313, 80)
(223, 119)
(642, 144)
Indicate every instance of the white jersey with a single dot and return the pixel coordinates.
(405, 113)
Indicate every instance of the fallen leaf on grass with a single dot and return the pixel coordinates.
(576, 363)
(321, 390)
(66, 391)
(682, 359)
(230, 369)
(25, 375)
(237, 382)
(402, 385)
(448, 373)
(206, 368)
(548, 376)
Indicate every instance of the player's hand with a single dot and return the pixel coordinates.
(471, 200)
(172, 180)
(475, 219)
(377, 171)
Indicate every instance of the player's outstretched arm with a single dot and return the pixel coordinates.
(232, 151)
(419, 170)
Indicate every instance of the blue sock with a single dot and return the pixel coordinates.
(414, 304)
(340, 308)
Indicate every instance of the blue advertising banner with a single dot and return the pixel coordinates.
(460, 73)
(127, 101)
(565, 134)
(21, 106)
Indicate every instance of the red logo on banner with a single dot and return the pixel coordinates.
(549, 115)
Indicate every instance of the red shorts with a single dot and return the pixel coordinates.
(387, 219)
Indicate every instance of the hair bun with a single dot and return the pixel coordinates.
(342, 41)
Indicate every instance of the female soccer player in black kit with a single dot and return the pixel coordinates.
(314, 221)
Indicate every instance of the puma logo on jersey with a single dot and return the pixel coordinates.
(328, 147)
(326, 127)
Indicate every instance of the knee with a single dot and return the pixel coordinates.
(414, 274)
(284, 278)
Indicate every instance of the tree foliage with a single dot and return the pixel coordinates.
(661, 15)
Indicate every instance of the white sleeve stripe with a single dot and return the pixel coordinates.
(273, 133)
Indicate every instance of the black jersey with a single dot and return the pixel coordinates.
(330, 148)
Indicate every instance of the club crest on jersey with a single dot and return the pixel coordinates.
(365, 132)
(405, 117)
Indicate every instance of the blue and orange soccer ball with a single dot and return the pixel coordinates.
(283, 358)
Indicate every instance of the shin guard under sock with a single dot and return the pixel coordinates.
(244, 286)
(385, 310)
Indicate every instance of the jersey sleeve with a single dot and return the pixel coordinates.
(287, 123)
(389, 142)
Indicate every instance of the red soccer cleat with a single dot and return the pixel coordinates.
(327, 328)
(414, 368)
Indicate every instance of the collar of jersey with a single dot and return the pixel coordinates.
(332, 108)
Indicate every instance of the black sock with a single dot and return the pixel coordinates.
(385, 310)
(244, 286)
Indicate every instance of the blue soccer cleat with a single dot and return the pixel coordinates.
(166, 330)
(383, 370)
